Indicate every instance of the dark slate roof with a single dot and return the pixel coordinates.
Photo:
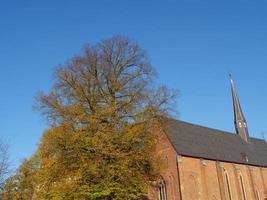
(202, 142)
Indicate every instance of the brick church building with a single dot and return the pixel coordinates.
(200, 163)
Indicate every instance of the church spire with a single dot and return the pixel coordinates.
(240, 121)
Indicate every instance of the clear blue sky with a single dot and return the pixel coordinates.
(192, 44)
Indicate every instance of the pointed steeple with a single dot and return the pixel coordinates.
(240, 121)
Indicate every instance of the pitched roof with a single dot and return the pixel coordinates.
(202, 142)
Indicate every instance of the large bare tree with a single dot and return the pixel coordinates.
(99, 145)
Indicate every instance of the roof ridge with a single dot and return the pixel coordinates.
(212, 129)
(200, 141)
(202, 126)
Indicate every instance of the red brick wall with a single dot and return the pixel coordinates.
(200, 179)
(169, 171)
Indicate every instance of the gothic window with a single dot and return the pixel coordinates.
(227, 186)
(241, 183)
(257, 194)
(162, 190)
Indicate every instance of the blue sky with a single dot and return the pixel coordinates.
(193, 45)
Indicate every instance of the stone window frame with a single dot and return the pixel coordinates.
(242, 186)
(162, 189)
(227, 185)
(258, 196)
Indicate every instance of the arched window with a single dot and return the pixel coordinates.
(162, 190)
(241, 183)
(227, 186)
(257, 194)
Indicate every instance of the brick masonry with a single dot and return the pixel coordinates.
(189, 178)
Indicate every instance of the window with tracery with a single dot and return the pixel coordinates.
(241, 183)
(257, 194)
(227, 185)
(162, 190)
